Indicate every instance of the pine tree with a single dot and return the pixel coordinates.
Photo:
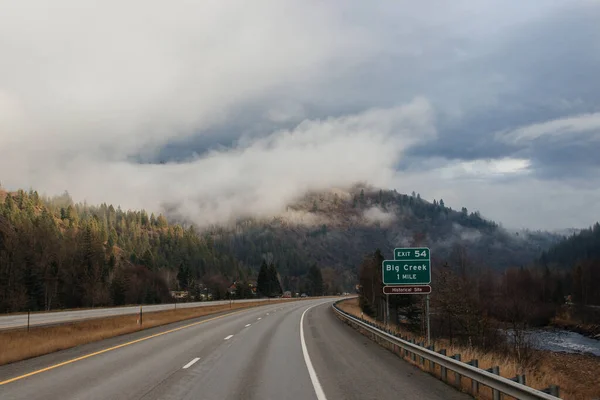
(183, 276)
(148, 260)
(273, 279)
(315, 281)
(262, 283)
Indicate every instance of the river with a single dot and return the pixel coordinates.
(559, 340)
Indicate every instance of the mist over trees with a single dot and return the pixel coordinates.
(58, 254)
(335, 229)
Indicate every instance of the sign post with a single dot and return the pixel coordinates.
(428, 327)
(408, 273)
(387, 310)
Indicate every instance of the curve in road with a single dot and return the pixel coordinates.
(278, 351)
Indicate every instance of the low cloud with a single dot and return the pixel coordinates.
(258, 178)
(378, 216)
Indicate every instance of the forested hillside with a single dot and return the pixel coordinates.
(584, 245)
(337, 228)
(579, 256)
(56, 254)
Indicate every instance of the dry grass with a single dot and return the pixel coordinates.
(575, 374)
(19, 345)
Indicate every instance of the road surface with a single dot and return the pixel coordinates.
(297, 350)
(15, 321)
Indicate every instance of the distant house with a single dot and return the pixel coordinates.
(252, 285)
(232, 288)
(180, 294)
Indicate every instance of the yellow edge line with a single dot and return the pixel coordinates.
(39, 371)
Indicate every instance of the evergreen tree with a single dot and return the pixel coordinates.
(273, 279)
(315, 281)
(262, 283)
(183, 276)
(148, 260)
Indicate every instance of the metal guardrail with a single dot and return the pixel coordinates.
(495, 382)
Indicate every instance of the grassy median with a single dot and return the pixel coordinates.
(17, 345)
(575, 374)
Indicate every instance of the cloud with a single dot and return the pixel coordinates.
(252, 103)
(378, 216)
(586, 123)
(80, 76)
(515, 200)
(259, 178)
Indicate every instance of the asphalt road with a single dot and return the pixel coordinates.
(14, 321)
(260, 353)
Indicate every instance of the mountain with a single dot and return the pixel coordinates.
(337, 228)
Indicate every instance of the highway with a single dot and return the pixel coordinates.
(14, 321)
(296, 350)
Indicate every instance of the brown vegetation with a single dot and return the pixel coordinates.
(575, 374)
(20, 345)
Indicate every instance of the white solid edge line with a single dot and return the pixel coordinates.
(228, 337)
(186, 366)
(311, 371)
(247, 325)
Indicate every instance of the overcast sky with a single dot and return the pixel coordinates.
(225, 108)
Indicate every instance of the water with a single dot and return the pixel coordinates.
(559, 340)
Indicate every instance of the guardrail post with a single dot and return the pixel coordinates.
(443, 370)
(519, 379)
(496, 371)
(456, 374)
(28, 312)
(474, 383)
(422, 358)
(431, 363)
(553, 390)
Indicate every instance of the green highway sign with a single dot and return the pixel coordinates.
(411, 253)
(406, 272)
